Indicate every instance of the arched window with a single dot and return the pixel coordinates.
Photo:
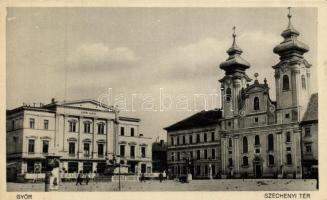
(245, 145)
(230, 142)
(228, 94)
(256, 103)
(271, 160)
(245, 161)
(257, 140)
(303, 82)
(270, 142)
(286, 83)
(288, 137)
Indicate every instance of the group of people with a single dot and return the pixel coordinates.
(81, 177)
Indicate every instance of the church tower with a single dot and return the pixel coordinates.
(234, 80)
(292, 76)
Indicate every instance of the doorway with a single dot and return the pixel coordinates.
(258, 171)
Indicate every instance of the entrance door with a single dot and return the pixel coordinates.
(143, 168)
(258, 173)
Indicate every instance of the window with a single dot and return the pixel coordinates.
(288, 137)
(191, 154)
(228, 94)
(172, 156)
(32, 123)
(206, 170)
(256, 119)
(122, 131)
(198, 170)
(308, 148)
(46, 124)
(100, 128)
(72, 167)
(303, 82)
(30, 166)
(230, 152)
(289, 159)
(184, 142)
(245, 144)
(198, 156)
(205, 137)
(271, 160)
(87, 127)
(213, 169)
(229, 124)
(205, 154)
(286, 84)
(13, 124)
(212, 136)
(178, 140)
(172, 141)
(143, 152)
(257, 150)
(197, 138)
(31, 146)
(122, 150)
(86, 149)
(288, 149)
(132, 132)
(45, 146)
(245, 161)
(190, 139)
(256, 103)
(213, 153)
(100, 150)
(230, 143)
(270, 142)
(287, 115)
(257, 140)
(307, 131)
(132, 153)
(72, 126)
(71, 148)
(178, 156)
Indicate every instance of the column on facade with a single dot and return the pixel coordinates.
(79, 144)
(93, 140)
(279, 153)
(236, 155)
(236, 85)
(223, 155)
(297, 152)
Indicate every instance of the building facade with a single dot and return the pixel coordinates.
(159, 156)
(83, 133)
(194, 146)
(259, 137)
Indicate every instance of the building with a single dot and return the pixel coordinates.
(194, 145)
(309, 127)
(84, 133)
(260, 137)
(159, 156)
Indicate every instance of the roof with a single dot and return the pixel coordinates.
(129, 119)
(200, 119)
(311, 114)
(32, 108)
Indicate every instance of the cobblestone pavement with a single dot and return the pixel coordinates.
(195, 185)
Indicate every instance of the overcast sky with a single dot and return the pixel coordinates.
(79, 53)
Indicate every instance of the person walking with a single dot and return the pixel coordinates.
(87, 178)
(79, 179)
(160, 177)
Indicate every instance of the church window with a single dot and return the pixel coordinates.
(230, 142)
(245, 145)
(256, 103)
(228, 94)
(289, 159)
(287, 115)
(256, 120)
(286, 83)
(257, 140)
(270, 142)
(288, 137)
(303, 82)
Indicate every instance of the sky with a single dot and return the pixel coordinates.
(158, 64)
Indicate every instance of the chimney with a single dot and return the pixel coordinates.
(53, 100)
(161, 143)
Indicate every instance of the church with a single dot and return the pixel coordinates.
(259, 137)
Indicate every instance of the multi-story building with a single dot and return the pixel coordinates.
(159, 156)
(83, 133)
(194, 144)
(261, 137)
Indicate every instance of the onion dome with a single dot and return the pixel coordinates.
(234, 62)
(291, 46)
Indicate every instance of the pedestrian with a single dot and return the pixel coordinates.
(87, 178)
(142, 178)
(79, 179)
(160, 177)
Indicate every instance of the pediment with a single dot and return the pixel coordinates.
(87, 104)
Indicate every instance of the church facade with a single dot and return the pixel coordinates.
(260, 137)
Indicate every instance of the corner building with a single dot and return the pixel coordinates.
(85, 133)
